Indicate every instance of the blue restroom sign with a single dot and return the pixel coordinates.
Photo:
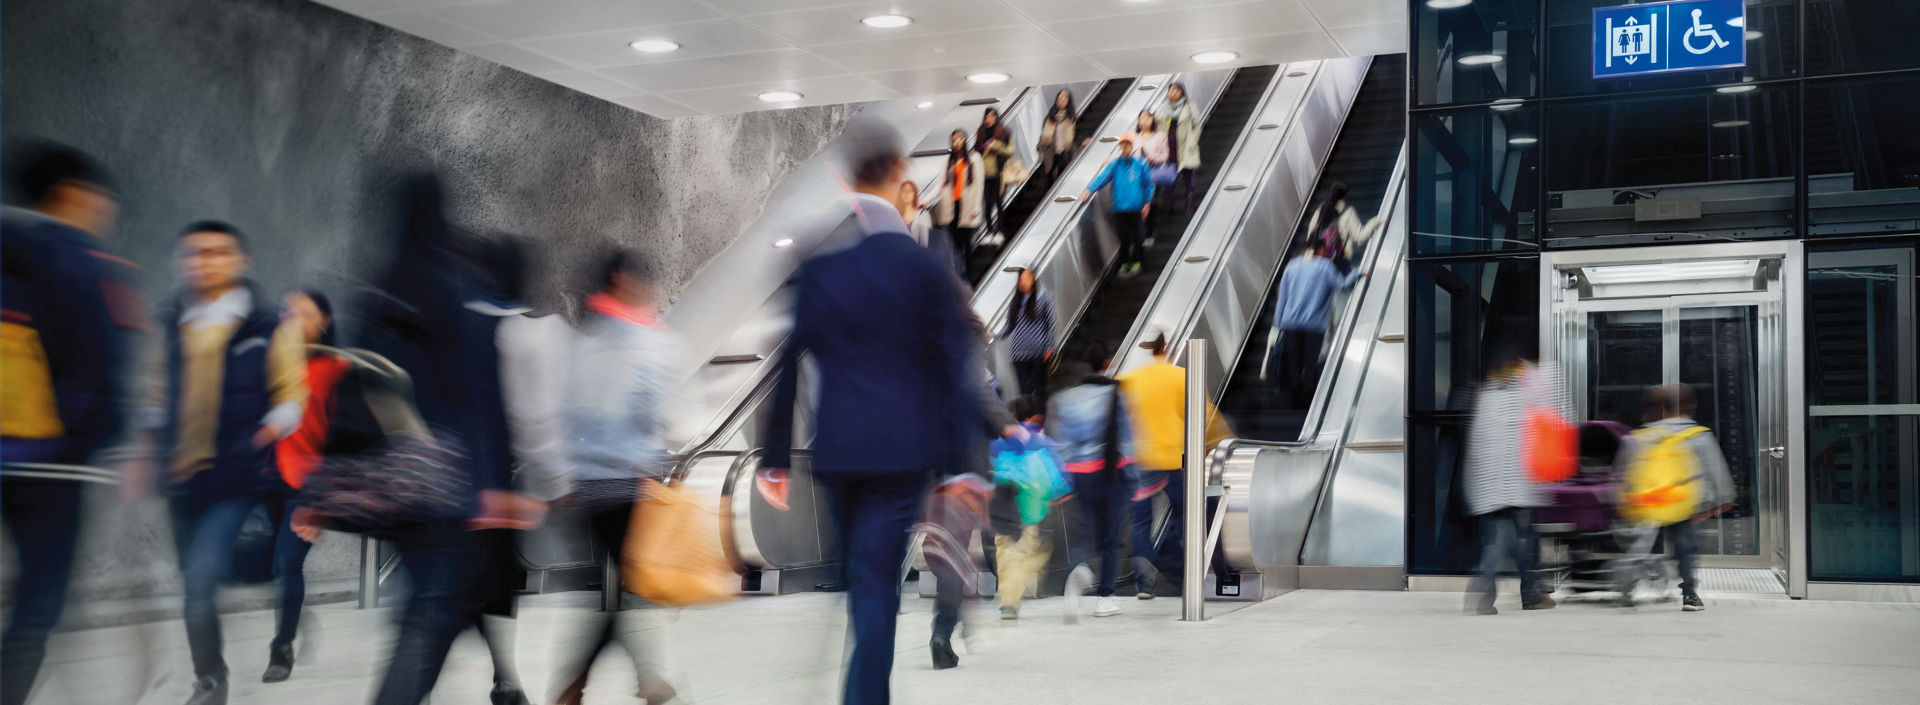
(1664, 37)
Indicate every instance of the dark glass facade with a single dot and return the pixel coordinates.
(1517, 149)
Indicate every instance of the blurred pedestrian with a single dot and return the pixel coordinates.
(1089, 420)
(1151, 144)
(235, 384)
(995, 146)
(919, 223)
(1132, 183)
(1300, 320)
(895, 367)
(59, 401)
(621, 378)
(1057, 135)
(297, 456)
(1336, 227)
(957, 512)
(1028, 464)
(957, 211)
(1181, 122)
(1498, 488)
(1675, 479)
(1157, 405)
(1030, 332)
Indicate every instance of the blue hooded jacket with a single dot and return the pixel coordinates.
(1132, 182)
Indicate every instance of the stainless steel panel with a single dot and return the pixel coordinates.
(1363, 519)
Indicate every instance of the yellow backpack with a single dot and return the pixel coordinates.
(1662, 484)
(28, 409)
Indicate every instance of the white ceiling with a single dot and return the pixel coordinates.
(733, 50)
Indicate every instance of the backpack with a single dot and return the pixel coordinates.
(1662, 484)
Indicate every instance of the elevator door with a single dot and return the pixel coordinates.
(1617, 342)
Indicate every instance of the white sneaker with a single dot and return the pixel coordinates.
(1077, 582)
(1106, 608)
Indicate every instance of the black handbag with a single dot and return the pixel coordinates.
(385, 470)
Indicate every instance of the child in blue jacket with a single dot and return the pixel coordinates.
(1132, 181)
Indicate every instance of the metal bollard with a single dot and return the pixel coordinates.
(1193, 571)
(369, 573)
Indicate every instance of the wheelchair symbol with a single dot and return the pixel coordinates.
(1705, 31)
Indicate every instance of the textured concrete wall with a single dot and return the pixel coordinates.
(285, 116)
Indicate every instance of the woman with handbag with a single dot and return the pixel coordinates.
(957, 210)
(995, 146)
(1056, 136)
(1181, 121)
(617, 442)
(1152, 146)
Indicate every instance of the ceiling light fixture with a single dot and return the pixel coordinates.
(1505, 104)
(1448, 4)
(925, 104)
(1737, 22)
(1730, 90)
(653, 46)
(1215, 57)
(1481, 59)
(887, 21)
(1753, 34)
(1672, 271)
(781, 96)
(989, 77)
(783, 243)
(1523, 141)
(1732, 123)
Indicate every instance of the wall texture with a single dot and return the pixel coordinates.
(288, 118)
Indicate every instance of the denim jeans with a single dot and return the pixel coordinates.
(1684, 540)
(43, 519)
(289, 569)
(1168, 558)
(204, 532)
(1100, 523)
(1505, 534)
(440, 564)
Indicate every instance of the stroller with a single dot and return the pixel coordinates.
(1585, 546)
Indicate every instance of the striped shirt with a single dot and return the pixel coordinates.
(1031, 336)
(1496, 474)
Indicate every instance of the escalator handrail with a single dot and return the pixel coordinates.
(1218, 265)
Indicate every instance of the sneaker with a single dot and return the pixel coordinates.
(1077, 582)
(279, 663)
(1106, 608)
(209, 690)
(1147, 243)
(1542, 602)
(943, 655)
(1482, 610)
(1009, 613)
(1692, 603)
(507, 694)
(1144, 594)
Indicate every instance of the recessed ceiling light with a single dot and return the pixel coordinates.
(1481, 59)
(653, 46)
(1296, 74)
(783, 243)
(989, 77)
(1736, 89)
(1523, 141)
(1737, 22)
(781, 96)
(925, 104)
(1215, 57)
(1753, 34)
(1733, 123)
(1448, 4)
(1505, 104)
(887, 21)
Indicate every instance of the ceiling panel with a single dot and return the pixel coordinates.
(521, 19)
(738, 69)
(732, 50)
(696, 40)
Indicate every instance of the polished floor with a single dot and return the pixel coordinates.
(1304, 647)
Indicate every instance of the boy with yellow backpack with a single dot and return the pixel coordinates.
(1673, 478)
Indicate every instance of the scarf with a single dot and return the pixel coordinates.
(604, 304)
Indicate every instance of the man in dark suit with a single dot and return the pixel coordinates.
(887, 328)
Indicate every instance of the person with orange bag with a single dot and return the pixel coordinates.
(1500, 488)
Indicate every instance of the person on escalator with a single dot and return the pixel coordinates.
(1157, 404)
(1300, 320)
(995, 146)
(1181, 122)
(1056, 136)
(919, 224)
(1132, 184)
(1030, 328)
(958, 209)
(1151, 143)
(1089, 421)
(1337, 227)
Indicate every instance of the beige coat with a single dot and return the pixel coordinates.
(975, 188)
(1056, 137)
(1189, 131)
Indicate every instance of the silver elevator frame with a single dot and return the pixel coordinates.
(1780, 465)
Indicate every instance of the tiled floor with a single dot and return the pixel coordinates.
(1305, 647)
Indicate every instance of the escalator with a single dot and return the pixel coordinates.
(1119, 300)
(1363, 159)
(1028, 196)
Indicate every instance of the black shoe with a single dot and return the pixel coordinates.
(1540, 602)
(507, 694)
(209, 690)
(1692, 603)
(279, 663)
(943, 655)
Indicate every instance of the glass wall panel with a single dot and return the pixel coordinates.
(1461, 312)
(1442, 538)
(1860, 324)
(1771, 32)
(1475, 53)
(1864, 505)
(1855, 36)
(1708, 165)
(1476, 179)
(1863, 155)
